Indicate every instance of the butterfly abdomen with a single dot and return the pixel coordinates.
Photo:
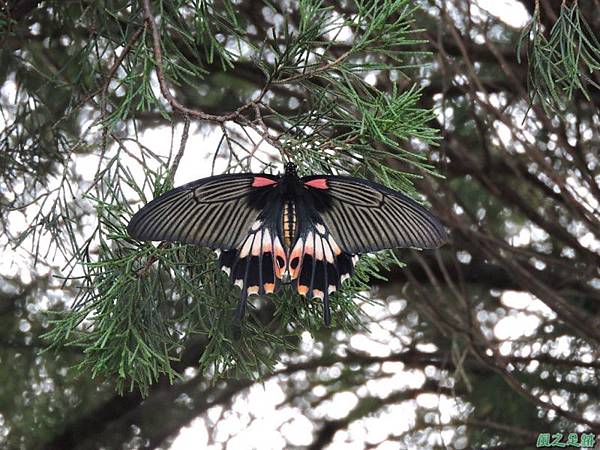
(289, 223)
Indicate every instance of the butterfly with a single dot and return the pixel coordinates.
(273, 230)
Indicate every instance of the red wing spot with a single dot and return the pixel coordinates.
(318, 183)
(262, 182)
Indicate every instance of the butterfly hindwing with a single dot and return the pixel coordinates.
(364, 216)
(256, 264)
(318, 265)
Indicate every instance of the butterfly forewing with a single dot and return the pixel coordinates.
(364, 217)
(216, 212)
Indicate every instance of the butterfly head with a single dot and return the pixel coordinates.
(290, 169)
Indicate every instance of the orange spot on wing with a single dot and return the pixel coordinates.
(318, 183)
(318, 249)
(328, 253)
(309, 248)
(269, 287)
(256, 246)
(246, 247)
(262, 182)
(267, 246)
(302, 290)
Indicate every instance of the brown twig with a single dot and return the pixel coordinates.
(179, 155)
(164, 87)
(236, 116)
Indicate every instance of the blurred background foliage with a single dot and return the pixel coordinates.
(484, 343)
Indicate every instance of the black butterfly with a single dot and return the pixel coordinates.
(281, 229)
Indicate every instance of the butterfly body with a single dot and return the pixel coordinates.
(273, 230)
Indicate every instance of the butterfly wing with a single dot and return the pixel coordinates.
(257, 264)
(319, 266)
(363, 216)
(317, 263)
(215, 212)
(233, 213)
(341, 217)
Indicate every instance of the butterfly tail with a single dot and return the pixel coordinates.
(326, 309)
(240, 311)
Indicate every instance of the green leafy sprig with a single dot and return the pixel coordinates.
(562, 64)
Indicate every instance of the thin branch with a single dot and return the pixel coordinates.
(164, 88)
(179, 155)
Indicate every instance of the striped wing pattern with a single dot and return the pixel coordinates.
(215, 212)
(319, 266)
(257, 264)
(366, 217)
